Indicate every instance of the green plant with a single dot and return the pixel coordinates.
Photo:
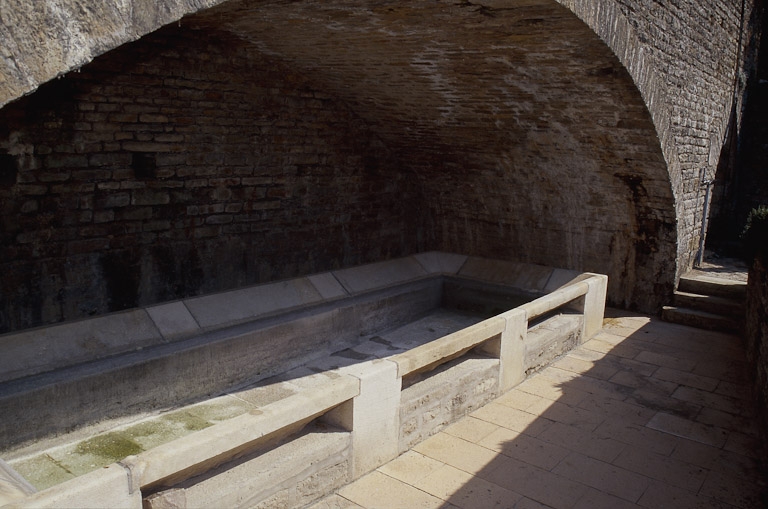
(755, 234)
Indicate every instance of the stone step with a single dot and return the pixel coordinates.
(710, 304)
(700, 319)
(708, 285)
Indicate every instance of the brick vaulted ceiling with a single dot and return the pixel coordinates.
(529, 137)
(437, 77)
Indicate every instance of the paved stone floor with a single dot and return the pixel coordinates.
(646, 414)
(722, 267)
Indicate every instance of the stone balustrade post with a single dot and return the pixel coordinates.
(594, 305)
(373, 416)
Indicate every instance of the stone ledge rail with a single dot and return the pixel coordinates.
(448, 347)
(425, 357)
(208, 448)
(364, 401)
(44, 349)
(554, 300)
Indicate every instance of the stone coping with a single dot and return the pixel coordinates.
(59, 459)
(43, 349)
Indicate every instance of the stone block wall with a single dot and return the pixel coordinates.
(179, 165)
(691, 61)
(756, 331)
(745, 181)
(434, 400)
(704, 54)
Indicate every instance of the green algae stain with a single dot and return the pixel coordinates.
(42, 471)
(147, 428)
(150, 434)
(221, 409)
(190, 421)
(111, 446)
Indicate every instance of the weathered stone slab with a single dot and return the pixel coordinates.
(178, 459)
(448, 346)
(291, 475)
(372, 415)
(363, 397)
(183, 370)
(38, 350)
(594, 305)
(521, 275)
(229, 308)
(551, 301)
(173, 320)
(328, 286)
(41, 471)
(105, 487)
(444, 396)
(437, 262)
(13, 487)
(551, 339)
(379, 275)
(511, 349)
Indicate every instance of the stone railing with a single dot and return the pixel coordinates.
(504, 336)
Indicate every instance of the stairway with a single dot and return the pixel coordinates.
(708, 302)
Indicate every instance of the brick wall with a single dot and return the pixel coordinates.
(185, 164)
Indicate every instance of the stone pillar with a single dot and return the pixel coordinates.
(512, 354)
(594, 305)
(373, 416)
(509, 348)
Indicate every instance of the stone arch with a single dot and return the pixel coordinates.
(605, 18)
(43, 40)
(693, 84)
(434, 101)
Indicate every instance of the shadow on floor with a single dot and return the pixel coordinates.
(646, 414)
